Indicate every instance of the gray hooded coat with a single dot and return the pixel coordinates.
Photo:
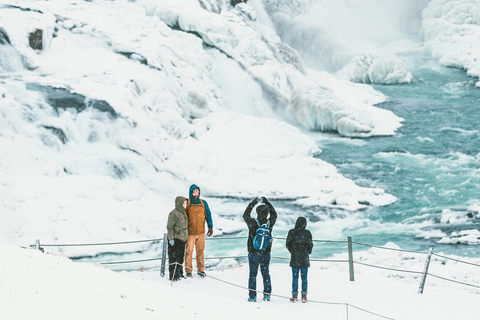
(177, 225)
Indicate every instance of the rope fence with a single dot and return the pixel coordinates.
(351, 261)
(347, 305)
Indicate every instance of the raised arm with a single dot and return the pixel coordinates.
(246, 215)
(273, 213)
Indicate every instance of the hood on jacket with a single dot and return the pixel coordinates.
(262, 213)
(179, 203)
(301, 224)
(190, 191)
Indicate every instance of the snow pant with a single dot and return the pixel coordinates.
(295, 272)
(175, 259)
(197, 241)
(262, 260)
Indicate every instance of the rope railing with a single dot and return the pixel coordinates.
(456, 260)
(96, 244)
(455, 281)
(386, 268)
(159, 240)
(351, 261)
(347, 305)
(387, 248)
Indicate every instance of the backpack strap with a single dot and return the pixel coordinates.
(259, 224)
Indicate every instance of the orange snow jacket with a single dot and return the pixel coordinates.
(196, 214)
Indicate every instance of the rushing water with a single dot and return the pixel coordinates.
(431, 164)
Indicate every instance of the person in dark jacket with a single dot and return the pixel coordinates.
(177, 234)
(299, 244)
(259, 258)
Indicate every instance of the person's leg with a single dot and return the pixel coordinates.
(188, 254)
(179, 252)
(304, 272)
(265, 269)
(200, 248)
(171, 262)
(295, 272)
(181, 255)
(253, 262)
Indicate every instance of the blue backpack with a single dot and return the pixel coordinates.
(262, 236)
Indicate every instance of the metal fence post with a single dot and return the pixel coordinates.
(425, 271)
(350, 259)
(164, 254)
(37, 244)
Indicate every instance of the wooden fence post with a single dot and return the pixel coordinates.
(350, 259)
(425, 271)
(164, 254)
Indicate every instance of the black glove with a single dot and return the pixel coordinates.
(254, 202)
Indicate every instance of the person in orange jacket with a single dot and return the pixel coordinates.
(198, 213)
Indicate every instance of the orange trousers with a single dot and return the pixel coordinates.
(197, 241)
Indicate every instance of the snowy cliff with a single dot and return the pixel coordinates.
(127, 103)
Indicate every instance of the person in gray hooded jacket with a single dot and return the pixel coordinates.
(177, 233)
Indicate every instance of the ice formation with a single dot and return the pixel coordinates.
(376, 69)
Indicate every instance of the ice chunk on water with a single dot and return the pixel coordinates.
(319, 108)
(376, 68)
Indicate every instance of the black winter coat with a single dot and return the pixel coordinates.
(300, 244)
(253, 225)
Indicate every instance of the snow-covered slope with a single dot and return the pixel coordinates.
(127, 103)
(37, 285)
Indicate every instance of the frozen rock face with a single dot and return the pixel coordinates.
(375, 68)
(128, 101)
(318, 108)
(10, 60)
(452, 30)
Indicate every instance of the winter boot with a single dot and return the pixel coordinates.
(266, 297)
(304, 297)
(294, 297)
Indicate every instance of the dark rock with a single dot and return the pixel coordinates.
(35, 39)
(58, 132)
(60, 98)
(4, 39)
(235, 2)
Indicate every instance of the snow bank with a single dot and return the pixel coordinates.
(376, 69)
(452, 30)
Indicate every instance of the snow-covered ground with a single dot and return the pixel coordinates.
(35, 285)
